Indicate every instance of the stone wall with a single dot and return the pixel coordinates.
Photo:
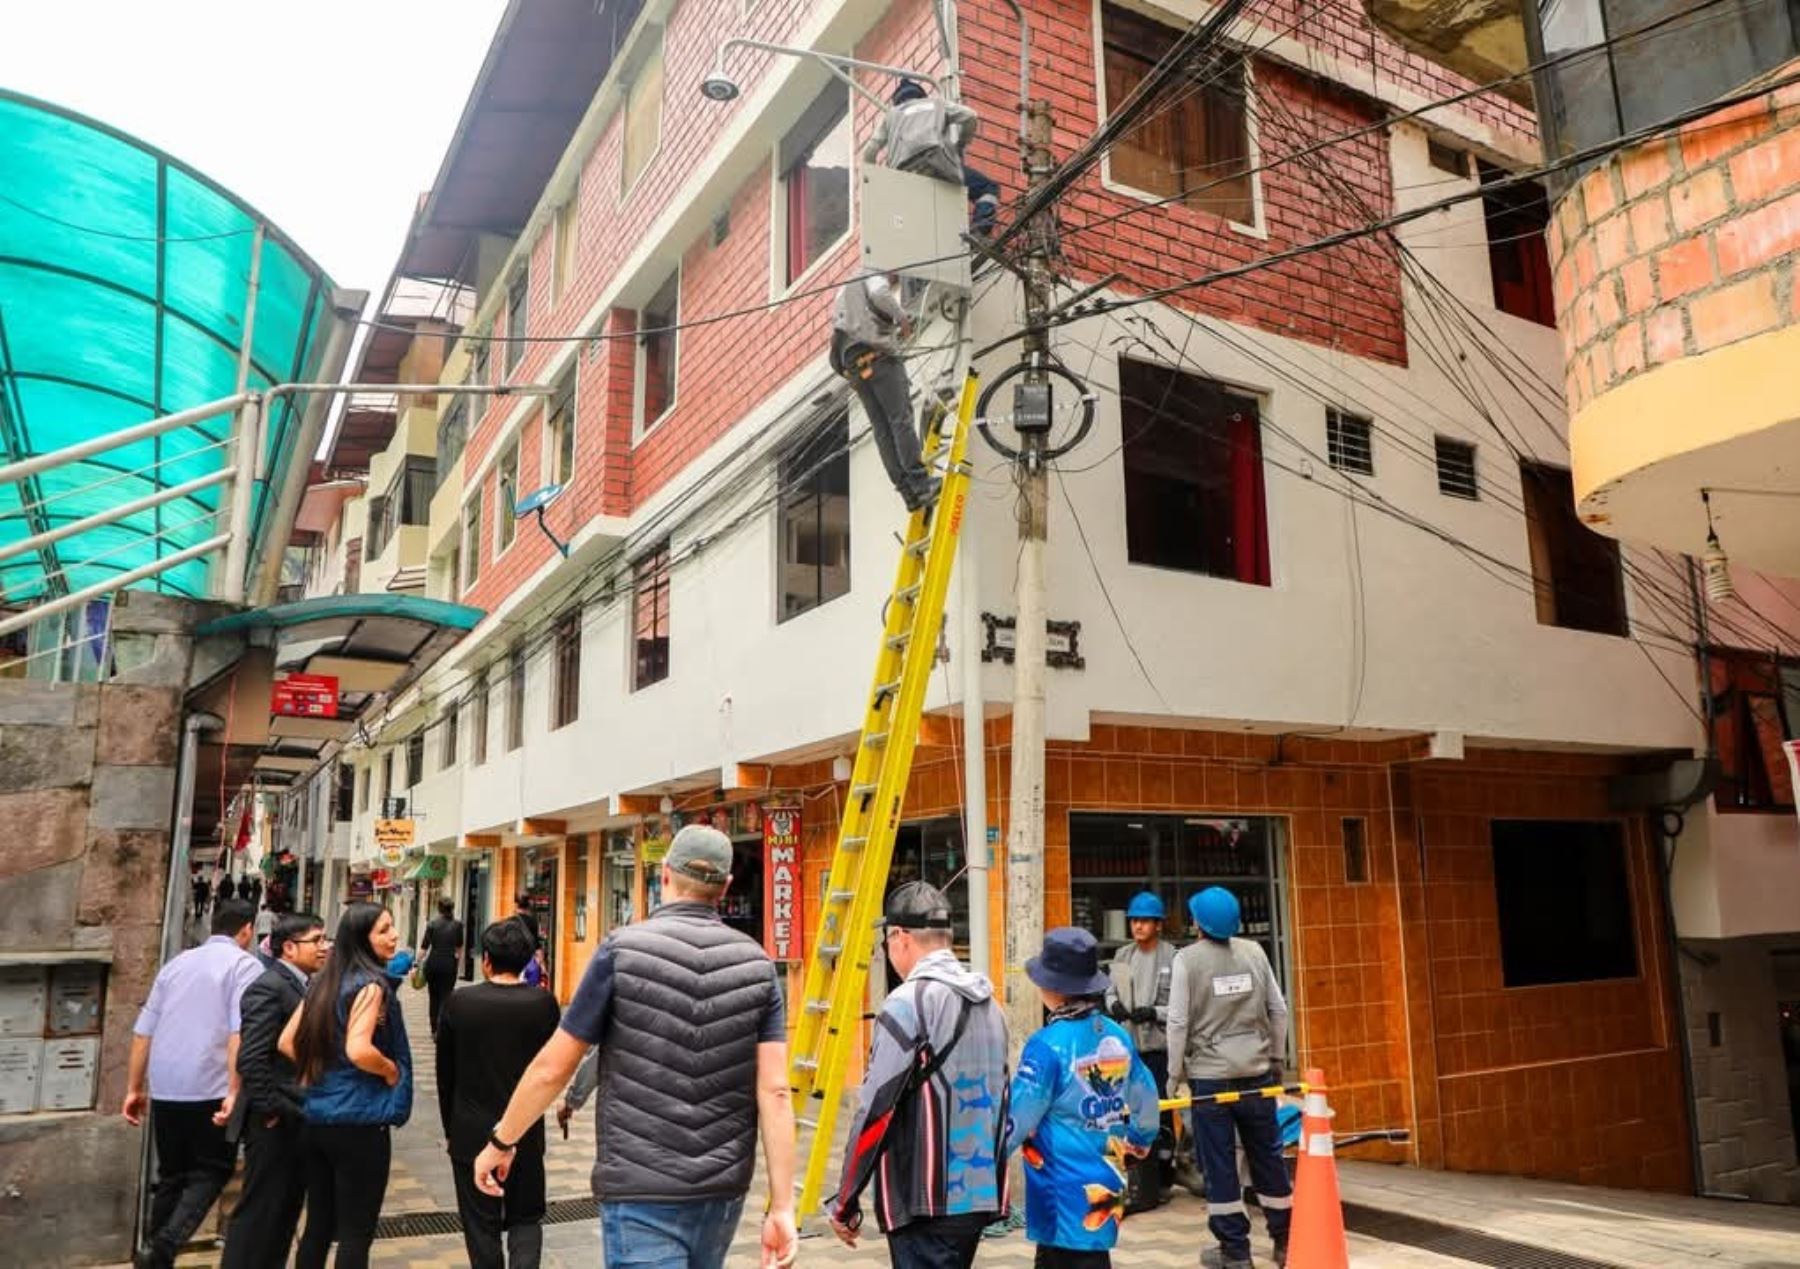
(1741, 1107)
(87, 788)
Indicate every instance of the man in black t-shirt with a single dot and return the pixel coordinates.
(486, 1037)
(442, 949)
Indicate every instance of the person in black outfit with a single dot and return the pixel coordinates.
(270, 1107)
(202, 895)
(228, 889)
(525, 914)
(486, 1037)
(442, 946)
(252, 891)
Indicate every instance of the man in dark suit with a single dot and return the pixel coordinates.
(267, 1116)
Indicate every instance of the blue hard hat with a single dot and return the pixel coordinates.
(1145, 907)
(908, 89)
(1215, 911)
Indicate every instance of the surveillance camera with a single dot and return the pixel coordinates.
(719, 88)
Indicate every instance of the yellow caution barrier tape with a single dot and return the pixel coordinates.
(1234, 1095)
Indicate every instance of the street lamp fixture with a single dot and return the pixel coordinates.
(721, 87)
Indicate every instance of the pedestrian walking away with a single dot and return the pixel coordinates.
(270, 1111)
(692, 1029)
(442, 946)
(1083, 1106)
(486, 1037)
(1137, 998)
(348, 1043)
(930, 1124)
(227, 888)
(1228, 1032)
(868, 325)
(202, 890)
(182, 1071)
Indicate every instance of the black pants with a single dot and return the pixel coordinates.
(880, 383)
(1049, 1257)
(519, 1214)
(268, 1211)
(346, 1179)
(945, 1242)
(193, 1163)
(440, 981)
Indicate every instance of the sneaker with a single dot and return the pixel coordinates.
(925, 497)
(1215, 1258)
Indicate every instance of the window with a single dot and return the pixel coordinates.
(387, 778)
(1518, 258)
(1197, 148)
(452, 435)
(344, 801)
(478, 359)
(479, 719)
(1575, 571)
(1755, 706)
(1347, 443)
(813, 519)
(1564, 899)
(567, 231)
(650, 618)
(559, 433)
(506, 495)
(415, 758)
(53, 1020)
(813, 163)
(1193, 475)
(372, 534)
(1456, 469)
(471, 541)
(449, 720)
(406, 501)
(1446, 158)
(656, 351)
(643, 117)
(517, 292)
(1356, 850)
(565, 699)
(453, 570)
(365, 781)
(515, 698)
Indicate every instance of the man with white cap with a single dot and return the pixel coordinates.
(689, 1018)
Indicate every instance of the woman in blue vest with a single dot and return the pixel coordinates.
(348, 1042)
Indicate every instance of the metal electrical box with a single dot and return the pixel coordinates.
(908, 219)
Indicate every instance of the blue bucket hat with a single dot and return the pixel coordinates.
(1069, 964)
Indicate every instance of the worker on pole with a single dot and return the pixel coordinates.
(867, 328)
(928, 135)
(1228, 1028)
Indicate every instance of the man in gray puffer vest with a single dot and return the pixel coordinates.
(692, 1029)
(930, 1123)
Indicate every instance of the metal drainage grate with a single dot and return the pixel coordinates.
(425, 1224)
(1460, 1244)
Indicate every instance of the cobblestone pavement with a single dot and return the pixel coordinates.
(1610, 1227)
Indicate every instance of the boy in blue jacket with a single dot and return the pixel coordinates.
(1083, 1102)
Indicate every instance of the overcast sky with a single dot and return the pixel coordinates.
(331, 116)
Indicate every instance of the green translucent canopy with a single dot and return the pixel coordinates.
(124, 276)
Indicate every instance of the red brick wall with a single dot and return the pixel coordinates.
(1680, 245)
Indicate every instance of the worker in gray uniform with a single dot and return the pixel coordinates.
(867, 328)
(928, 135)
(1138, 1000)
(1228, 1028)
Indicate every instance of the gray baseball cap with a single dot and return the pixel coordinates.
(701, 853)
(915, 906)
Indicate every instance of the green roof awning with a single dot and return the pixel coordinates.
(124, 281)
(369, 606)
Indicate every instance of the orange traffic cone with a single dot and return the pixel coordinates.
(1316, 1239)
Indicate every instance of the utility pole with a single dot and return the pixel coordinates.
(1031, 418)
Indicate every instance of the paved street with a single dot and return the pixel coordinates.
(1597, 1227)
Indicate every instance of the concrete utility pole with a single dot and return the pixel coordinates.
(1025, 816)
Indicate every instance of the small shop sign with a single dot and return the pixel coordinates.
(782, 898)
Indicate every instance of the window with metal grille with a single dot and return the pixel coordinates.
(478, 719)
(813, 520)
(1348, 445)
(406, 501)
(1576, 573)
(415, 758)
(449, 719)
(517, 292)
(515, 698)
(565, 697)
(650, 618)
(1456, 469)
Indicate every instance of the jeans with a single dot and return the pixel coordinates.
(518, 1214)
(346, 1179)
(268, 1211)
(692, 1235)
(941, 1242)
(881, 385)
(1216, 1132)
(1049, 1257)
(193, 1162)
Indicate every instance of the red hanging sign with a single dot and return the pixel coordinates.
(782, 923)
(305, 696)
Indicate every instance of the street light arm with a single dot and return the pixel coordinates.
(833, 62)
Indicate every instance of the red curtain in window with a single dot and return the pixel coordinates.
(798, 230)
(1249, 510)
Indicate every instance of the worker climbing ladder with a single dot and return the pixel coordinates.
(837, 967)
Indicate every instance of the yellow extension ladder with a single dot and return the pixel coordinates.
(837, 963)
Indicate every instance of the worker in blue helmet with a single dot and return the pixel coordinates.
(1228, 1028)
(1138, 1000)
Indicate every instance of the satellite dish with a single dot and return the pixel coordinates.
(535, 502)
